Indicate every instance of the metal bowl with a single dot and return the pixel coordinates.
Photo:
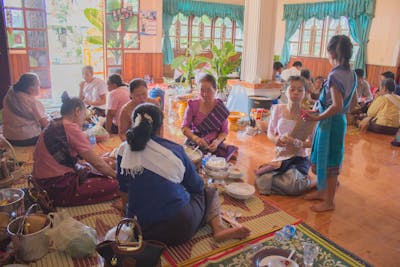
(14, 198)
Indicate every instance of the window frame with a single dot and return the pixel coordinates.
(177, 37)
(323, 42)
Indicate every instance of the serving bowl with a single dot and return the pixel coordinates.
(240, 191)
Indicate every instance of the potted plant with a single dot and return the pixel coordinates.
(188, 63)
(225, 61)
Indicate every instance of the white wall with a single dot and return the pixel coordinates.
(384, 39)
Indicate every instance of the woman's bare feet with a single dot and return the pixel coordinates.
(324, 206)
(317, 195)
(229, 233)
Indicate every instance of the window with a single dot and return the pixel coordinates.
(312, 37)
(122, 30)
(27, 34)
(190, 29)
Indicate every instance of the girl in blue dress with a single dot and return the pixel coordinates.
(334, 102)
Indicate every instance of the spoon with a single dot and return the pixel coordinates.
(291, 254)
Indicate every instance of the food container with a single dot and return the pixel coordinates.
(240, 191)
(33, 246)
(233, 118)
(194, 155)
(217, 164)
(10, 199)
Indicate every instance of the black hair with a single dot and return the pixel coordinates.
(359, 72)
(297, 64)
(297, 79)
(69, 104)
(209, 78)
(388, 83)
(388, 74)
(306, 74)
(136, 83)
(138, 136)
(25, 81)
(341, 49)
(277, 65)
(116, 79)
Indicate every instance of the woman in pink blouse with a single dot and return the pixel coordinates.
(118, 97)
(23, 114)
(56, 161)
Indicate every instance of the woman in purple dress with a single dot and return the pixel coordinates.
(205, 123)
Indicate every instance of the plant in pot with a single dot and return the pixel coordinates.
(188, 63)
(225, 61)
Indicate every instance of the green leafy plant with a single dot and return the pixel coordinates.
(225, 61)
(189, 62)
(94, 16)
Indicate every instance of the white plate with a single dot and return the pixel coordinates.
(277, 261)
(240, 190)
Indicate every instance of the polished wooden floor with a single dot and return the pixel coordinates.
(367, 216)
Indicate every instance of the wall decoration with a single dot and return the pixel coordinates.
(122, 13)
(148, 22)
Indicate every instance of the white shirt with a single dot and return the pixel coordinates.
(93, 90)
(293, 71)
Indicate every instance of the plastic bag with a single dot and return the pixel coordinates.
(125, 234)
(71, 236)
(98, 130)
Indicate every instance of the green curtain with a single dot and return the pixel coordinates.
(358, 12)
(167, 47)
(359, 31)
(197, 8)
(335, 9)
(291, 27)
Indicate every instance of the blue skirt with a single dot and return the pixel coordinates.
(328, 148)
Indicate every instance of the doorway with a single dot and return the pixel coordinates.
(55, 38)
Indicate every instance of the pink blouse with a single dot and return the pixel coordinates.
(45, 166)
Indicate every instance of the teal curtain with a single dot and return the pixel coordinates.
(197, 8)
(358, 12)
(359, 31)
(291, 27)
(167, 47)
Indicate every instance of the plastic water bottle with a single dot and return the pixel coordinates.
(286, 233)
(92, 139)
(204, 159)
(277, 77)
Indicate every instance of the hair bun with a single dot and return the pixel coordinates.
(65, 97)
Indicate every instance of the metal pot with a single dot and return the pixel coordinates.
(29, 247)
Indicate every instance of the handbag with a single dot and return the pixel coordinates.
(140, 253)
(36, 194)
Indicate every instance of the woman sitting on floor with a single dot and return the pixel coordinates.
(56, 156)
(139, 95)
(288, 173)
(164, 190)
(118, 97)
(23, 115)
(383, 113)
(205, 123)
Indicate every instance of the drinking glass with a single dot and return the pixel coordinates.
(310, 252)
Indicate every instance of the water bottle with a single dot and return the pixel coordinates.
(277, 77)
(286, 233)
(398, 136)
(92, 139)
(204, 159)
